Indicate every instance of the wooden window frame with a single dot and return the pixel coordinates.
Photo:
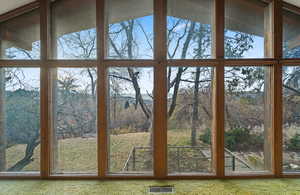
(160, 64)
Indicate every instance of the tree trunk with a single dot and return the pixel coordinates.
(27, 158)
(195, 113)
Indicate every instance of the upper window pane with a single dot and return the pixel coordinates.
(291, 34)
(20, 37)
(189, 29)
(73, 28)
(244, 28)
(130, 29)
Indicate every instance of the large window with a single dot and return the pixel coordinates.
(150, 89)
(291, 128)
(247, 136)
(74, 139)
(130, 120)
(189, 120)
(20, 120)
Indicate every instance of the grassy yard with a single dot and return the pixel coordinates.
(80, 154)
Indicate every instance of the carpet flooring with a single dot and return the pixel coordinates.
(134, 187)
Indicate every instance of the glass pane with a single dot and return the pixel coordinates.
(130, 29)
(245, 28)
(74, 29)
(130, 120)
(247, 120)
(291, 34)
(189, 120)
(74, 143)
(19, 120)
(189, 29)
(20, 37)
(291, 120)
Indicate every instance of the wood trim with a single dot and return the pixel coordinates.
(45, 48)
(277, 19)
(19, 11)
(102, 85)
(218, 88)
(210, 62)
(249, 62)
(290, 62)
(291, 7)
(160, 91)
(128, 63)
(20, 63)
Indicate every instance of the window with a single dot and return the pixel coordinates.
(189, 120)
(129, 29)
(291, 34)
(189, 29)
(130, 120)
(247, 116)
(20, 37)
(291, 133)
(164, 99)
(20, 120)
(74, 139)
(245, 28)
(74, 28)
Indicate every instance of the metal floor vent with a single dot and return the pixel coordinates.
(161, 189)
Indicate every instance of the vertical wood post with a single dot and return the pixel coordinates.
(273, 88)
(160, 90)
(277, 112)
(44, 78)
(101, 90)
(218, 25)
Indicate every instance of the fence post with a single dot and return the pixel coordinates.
(178, 160)
(133, 159)
(233, 163)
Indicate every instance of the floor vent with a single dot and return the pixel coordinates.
(161, 189)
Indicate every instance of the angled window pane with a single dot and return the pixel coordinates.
(291, 34)
(291, 120)
(20, 37)
(247, 120)
(74, 132)
(245, 28)
(130, 120)
(190, 120)
(20, 120)
(129, 29)
(74, 29)
(189, 34)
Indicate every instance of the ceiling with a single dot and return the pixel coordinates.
(9, 5)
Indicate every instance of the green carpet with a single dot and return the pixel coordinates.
(133, 187)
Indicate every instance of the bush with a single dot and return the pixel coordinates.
(238, 139)
(294, 143)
